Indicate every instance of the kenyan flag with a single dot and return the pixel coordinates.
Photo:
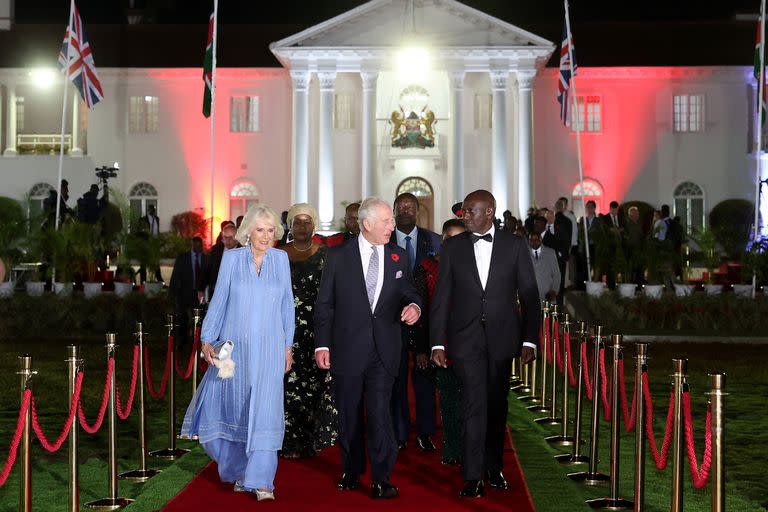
(208, 69)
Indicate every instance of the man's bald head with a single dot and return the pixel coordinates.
(479, 211)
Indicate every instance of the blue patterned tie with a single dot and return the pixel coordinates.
(372, 276)
(410, 250)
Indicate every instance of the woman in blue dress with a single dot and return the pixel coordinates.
(240, 419)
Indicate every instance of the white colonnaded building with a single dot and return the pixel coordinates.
(426, 96)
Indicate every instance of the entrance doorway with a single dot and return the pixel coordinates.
(423, 192)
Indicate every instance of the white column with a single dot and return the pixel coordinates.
(368, 132)
(325, 151)
(499, 168)
(75, 149)
(10, 129)
(457, 125)
(525, 140)
(300, 136)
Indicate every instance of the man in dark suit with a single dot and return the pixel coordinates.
(418, 243)
(476, 322)
(185, 281)
(150, 222)
(211, 270)
(366, 292)
(557, 236)
(614, 230)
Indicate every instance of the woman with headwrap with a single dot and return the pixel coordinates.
(310, 415)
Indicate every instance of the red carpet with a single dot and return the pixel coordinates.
(309, 484)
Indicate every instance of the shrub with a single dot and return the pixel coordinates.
(190, 224)
(731, 221)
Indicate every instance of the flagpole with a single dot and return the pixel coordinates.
(213, 110)
(64, 114)
(574, 108)
(758, 137)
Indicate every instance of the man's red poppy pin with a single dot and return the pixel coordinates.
(395, 257)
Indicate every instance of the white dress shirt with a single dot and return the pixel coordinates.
(483, 250)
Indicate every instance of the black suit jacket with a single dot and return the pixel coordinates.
(343, 319)
(427, 244)
(460, 304)
(182, 281)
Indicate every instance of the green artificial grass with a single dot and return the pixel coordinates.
(49, 471)
(746, 441)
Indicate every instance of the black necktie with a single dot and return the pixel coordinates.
(536, 252)
(487, 237)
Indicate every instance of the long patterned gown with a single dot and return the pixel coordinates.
(240, 420)
(311, 419)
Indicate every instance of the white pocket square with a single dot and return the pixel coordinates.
(399, 274)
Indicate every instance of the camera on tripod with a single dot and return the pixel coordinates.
(104, 173)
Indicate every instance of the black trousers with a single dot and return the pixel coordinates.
(484, 388)
(424, 390)
(370, 392)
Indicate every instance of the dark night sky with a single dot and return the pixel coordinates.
(308, 12)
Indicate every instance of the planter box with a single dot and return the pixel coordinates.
(123, 289)
(63, 289)
(92, 290)
(152, 289)
(627, 290)
(743, 290)
(35, 288)
(6, 289)
(653, 291)
(684, 290)
(713, 289)
(595, 288)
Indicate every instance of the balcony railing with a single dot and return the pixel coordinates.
(42, 144)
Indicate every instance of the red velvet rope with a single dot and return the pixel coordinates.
(123, 415)
(160, 393)
(11, 460)
(105, 399)
(699, 477)
(606, 399)
(547, 352)
(571, 376)
(585, 371)
(659, 458)
(186, 374)
(629, 418)
(52, 447)
(558, 354)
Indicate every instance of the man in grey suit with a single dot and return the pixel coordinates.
(545, 267)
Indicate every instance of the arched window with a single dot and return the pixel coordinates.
(592, 190)
(423, 191)
(243, 194)
(37, 194)
(141, 196)
(689, 206)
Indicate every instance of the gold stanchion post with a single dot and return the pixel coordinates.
(142, 474)
(172, 452)
(680, 367)
(613, 502)
(641, 369)
(592, 476)
(576, 457)
(538, 394)
(73, 465)
(717, 478)
(564, 439)
(552, 419)
(113, 501)
(515, 378)
(25, 462)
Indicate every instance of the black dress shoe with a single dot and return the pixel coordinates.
(348, 482)
(496, 480)
(425, 443)
(402, 445)
(383, 491)
(472, 489)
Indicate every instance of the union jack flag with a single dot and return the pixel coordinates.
(564, 82)
(76, 60)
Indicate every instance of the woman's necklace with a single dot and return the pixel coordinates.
(311, 242)
(257, 263)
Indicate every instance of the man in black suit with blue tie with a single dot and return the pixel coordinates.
(366, 293)
(475, 320)
(185, 281)
(418, 243)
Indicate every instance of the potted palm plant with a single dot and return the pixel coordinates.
(71, 249)
(12, 231)
(754, 264)
(709, 254)
(659, 262)
(146, 250)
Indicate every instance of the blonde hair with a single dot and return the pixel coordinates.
(254, 214)
(303, 209)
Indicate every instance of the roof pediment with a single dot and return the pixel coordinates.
(395, 23)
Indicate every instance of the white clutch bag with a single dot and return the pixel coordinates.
(223, 359)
